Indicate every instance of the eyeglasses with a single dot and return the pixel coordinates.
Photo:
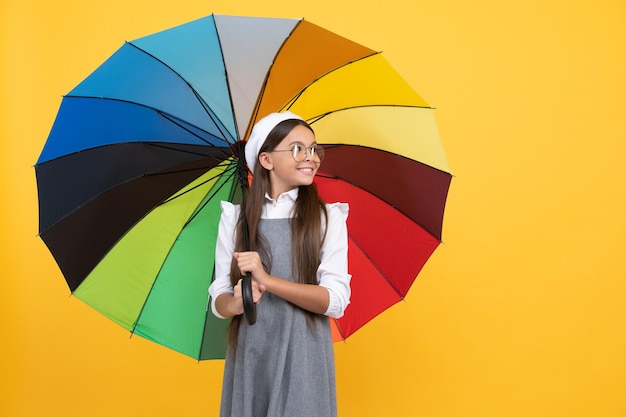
(300, 152)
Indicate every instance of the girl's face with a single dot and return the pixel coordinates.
(284, 171)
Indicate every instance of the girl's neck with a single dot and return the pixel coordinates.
(275, 194)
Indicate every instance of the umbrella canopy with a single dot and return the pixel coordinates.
(144, 149)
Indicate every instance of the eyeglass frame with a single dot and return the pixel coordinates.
(312, 150)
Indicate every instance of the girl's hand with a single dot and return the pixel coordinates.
(251, 262)
(257, 293)
(230, 305)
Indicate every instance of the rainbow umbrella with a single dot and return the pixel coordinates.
(144, 149)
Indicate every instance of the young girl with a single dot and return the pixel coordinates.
(284, 364)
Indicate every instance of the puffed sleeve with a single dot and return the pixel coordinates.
(224, 250)
(333, 270)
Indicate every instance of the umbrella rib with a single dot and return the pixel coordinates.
(343, 338)
(174, 120)
(227, 176)
(162, 145)
(227, 169)
(337, 145)
(317, 118)
(208, 143)
(382, 273)
(177, 171)
(205, 320)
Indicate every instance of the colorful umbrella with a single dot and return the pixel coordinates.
(145, 148)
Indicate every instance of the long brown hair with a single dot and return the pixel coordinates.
(306, 225)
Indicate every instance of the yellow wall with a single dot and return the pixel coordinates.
(520, 313)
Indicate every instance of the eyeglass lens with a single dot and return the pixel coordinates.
(300, 152)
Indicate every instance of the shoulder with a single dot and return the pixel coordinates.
(230, 211)
(337, 210)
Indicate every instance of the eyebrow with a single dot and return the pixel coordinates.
(296, 142)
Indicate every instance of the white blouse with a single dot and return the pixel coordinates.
(332, 273)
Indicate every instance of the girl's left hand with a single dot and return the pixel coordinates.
(251, 262)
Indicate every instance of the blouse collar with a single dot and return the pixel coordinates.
(291, 194)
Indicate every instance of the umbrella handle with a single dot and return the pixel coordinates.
(249, 308)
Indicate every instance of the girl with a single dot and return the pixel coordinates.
(284, 364)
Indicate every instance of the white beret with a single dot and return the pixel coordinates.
(259, 133)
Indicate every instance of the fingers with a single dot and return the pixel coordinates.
(257, 292)
(249, 262)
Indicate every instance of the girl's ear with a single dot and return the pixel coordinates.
(265, 159)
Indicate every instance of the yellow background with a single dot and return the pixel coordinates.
(520, 313)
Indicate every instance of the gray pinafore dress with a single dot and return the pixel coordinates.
(281, 367)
